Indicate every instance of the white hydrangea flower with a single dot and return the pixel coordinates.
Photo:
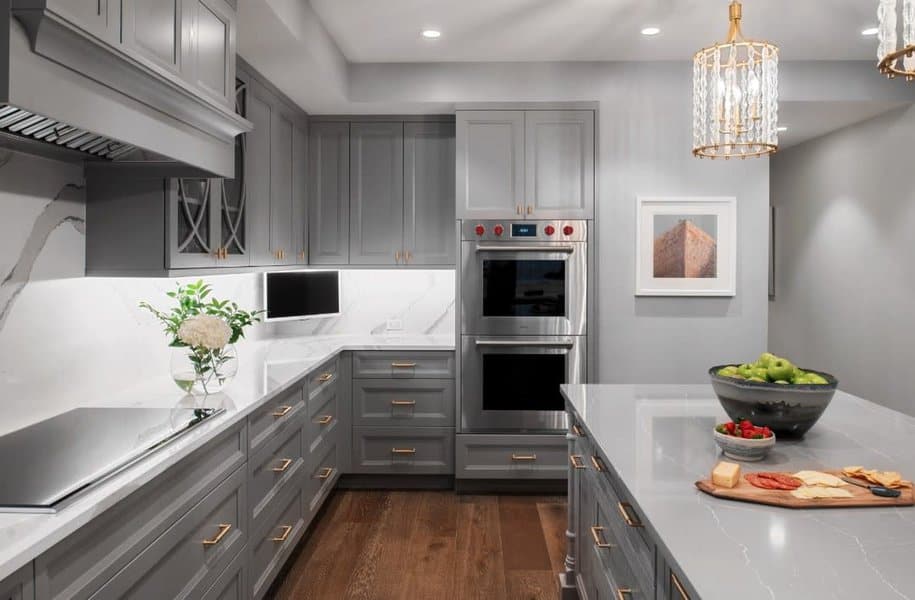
(205, 331)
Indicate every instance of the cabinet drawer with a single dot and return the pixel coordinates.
(403, 365)
(274, 470)
(512, 457)
(233, 583)
(414, 403)
(265, 422)
(271, 546)
(20, 585)
(323, 421)
(615, 560)
(428, 450)
(78, 566)
(321, 478)
(323, 377)
(186, 559)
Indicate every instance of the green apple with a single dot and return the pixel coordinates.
(765, 359)
(762, 373)
(798, 372)
(802, 380)
(816, 379)
(780, 368)
(728, 371)
(783, 382)
(760, 379)
(746, 370)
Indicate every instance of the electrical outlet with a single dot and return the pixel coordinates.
(394, 325)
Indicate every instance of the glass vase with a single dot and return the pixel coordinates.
(199, 371)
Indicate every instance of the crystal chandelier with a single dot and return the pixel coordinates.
(895, 60)
(735, 96)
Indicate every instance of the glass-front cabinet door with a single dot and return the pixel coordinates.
(193, 214)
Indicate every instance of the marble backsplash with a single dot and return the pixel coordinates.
(66, 339)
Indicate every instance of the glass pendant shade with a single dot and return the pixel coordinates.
(735, 96)
(895, 59)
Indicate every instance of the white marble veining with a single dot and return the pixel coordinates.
(659, 440)
(268, 368)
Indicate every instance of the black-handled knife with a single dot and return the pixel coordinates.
(877, 490)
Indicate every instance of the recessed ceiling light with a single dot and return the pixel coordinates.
(651, 31)
(432, 34)
(870, 31)
(783, 128)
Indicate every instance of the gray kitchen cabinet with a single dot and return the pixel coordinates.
(559, 164)
(156, 30)
(281, 137)
(397, 402)
(403, 450)
(429, 212)
(233, 583)
(328, 193)
(257, 170)
(211, 43)
(376, 193)
(405, 364)
(20, 585)
(273, 471)
(101, 18)
(300, 194)
(490, 164)
(491, 456)
(272, 544)
(193, 222)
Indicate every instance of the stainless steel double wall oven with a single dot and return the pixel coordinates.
(523, 322)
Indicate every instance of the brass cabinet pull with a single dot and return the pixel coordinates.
(403, 402)
(397, 257)
(224, 529)
(403, 365)
(302, 255)
(576, 461)
(577, 431)
(325, 377)
(623, 593)
(408, 256)
(674, 580)
(403, 450)
(598, 465)
(287, 529)
(530, 210)
(282, 412)
(624, 510)
(518, 209)
(284, 464)
(325, 420)
(524, 457)
(596, 534)
(326, 472)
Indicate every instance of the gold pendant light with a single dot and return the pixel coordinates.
(735, 96)
(895, 60)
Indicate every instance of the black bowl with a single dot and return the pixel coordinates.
(787, 409)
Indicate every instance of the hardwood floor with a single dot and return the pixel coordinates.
(405, 545)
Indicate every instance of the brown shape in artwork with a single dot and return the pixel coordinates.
(685, 250)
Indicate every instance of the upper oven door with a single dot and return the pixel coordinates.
(523, 288)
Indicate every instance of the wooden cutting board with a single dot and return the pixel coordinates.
(861, 497)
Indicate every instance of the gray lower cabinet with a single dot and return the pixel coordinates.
(490, 456)
(403, 365)
(20, 585)
(276, 415)
(429, 214)
(402, 450)
(322, 476)
(396, 402)
(233, 583)
(272, 543)
(274, 470)
(328, 193)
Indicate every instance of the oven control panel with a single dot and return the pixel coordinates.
(524, 231)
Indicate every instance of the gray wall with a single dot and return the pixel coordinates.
(845, 260)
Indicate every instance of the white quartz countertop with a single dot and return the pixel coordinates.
(658, 439)
(266, 368)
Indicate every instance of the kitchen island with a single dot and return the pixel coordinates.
(640, 529)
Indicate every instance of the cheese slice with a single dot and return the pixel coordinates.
(818, 478)
(726, 474)
(812, 492)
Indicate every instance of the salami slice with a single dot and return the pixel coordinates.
(773, 481)
(760, 482)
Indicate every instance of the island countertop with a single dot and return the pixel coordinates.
(658, 439)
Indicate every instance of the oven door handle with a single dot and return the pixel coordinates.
(523, 344)
(525, 248)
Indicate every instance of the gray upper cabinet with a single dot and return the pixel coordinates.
(490, 164)
(156, 30)
(376, 193)
(429, 213)
(211, 43)
(101, 18)
(300, 194)
(328, 193)
(281, 135)
(257, 171)
(559, 164)
(193, 222)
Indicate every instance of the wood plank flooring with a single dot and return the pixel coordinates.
(405, 545)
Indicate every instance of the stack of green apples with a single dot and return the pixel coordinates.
(773, 369)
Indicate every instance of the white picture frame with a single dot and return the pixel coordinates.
(709, 268)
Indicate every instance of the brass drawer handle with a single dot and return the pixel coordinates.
(326, 472)
(408, 256)
(397, 257)
(577, 431)
(596, 534)
(674, 580)
(577, 462)
(287, 529)
(403, 402)
(524, 457)
(624, 510)
(403, 450)
(518, 209)
(403, 365)
(282, 412)
(598, 464)
(325, 377)
(284, 465)
(224, 529)
(623, 593)
(325, 420)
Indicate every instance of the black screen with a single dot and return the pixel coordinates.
(302, 293)
(524, 230)
(523, 381)
(524, 288)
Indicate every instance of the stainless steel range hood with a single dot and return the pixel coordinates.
(66, 95)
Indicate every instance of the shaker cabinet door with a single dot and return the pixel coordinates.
(490, 164)
(101, 18)
(376, 193)
(328, 193)
(154, 29)
(257, 172)
(282, 249)
(559, 170)
(300, 194)
(429, 214)
(234, 233)
(211, 30)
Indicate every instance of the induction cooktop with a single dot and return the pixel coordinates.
(47, 465)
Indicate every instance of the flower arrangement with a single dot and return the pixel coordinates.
(204, 330)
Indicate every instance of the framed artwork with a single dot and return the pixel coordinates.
(686, 247)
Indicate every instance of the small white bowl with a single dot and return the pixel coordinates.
(742, 449)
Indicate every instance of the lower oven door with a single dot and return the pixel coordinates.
(511, 384)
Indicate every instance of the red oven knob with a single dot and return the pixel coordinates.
(549, 230)
(568, 230)
(498, 230)
(480, 230)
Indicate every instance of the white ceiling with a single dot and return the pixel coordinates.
(586, 30)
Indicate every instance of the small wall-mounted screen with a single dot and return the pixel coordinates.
(301, 294)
